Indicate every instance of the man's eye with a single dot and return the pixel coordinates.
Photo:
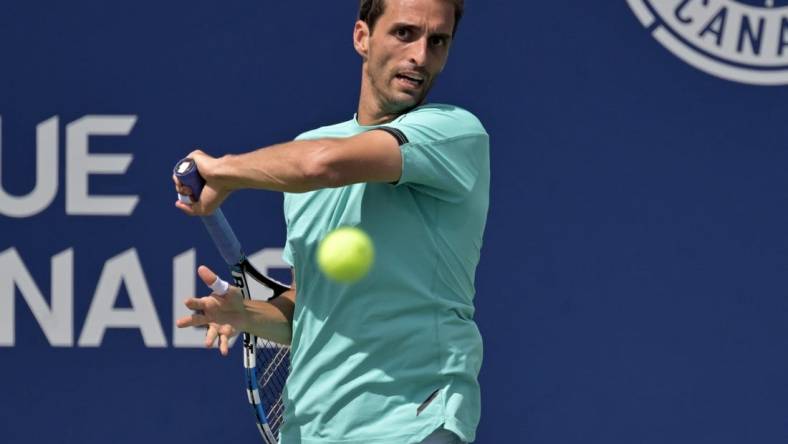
(402, 33)
(437, 41)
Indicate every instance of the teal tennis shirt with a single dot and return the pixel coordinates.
(396, 355)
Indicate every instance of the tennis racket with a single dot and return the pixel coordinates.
(266, 363)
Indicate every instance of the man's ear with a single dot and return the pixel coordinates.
(361, 38)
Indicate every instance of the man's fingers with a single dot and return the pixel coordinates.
(227, 330)
(218, 285)
(193, 320)
(195, 304)
(224, 345)
(182, 190)
(197, 156)
(180, 187)
(186, 208)
(206, 275)
(210, 336)
(184, 322)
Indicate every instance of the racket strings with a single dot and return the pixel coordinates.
(277, 412)
(273, 366)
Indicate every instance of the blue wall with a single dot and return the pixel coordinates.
(633, 279)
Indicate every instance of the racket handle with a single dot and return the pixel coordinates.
(222, 234)
(223, 237)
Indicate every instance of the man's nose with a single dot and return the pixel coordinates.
(419, 52)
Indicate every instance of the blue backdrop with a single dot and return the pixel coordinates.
(632, 286)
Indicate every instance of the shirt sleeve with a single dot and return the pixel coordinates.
(444, 151)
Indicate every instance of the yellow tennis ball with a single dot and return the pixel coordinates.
(346, 254)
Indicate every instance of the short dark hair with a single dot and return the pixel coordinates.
(369, 11)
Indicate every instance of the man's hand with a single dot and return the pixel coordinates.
(224, 315)
(214, 192)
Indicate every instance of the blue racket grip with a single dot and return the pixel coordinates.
(224, 237)
(222, 234)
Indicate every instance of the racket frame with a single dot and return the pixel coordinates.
(230, 248)
(239, 272)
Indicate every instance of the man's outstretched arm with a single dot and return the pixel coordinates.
(298, 166)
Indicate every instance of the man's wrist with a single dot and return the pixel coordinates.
(225, 173)
(246, 316)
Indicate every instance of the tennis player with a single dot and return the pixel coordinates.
(393, 358)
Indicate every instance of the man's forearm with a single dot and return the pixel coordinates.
(307, 165)
(294, 167)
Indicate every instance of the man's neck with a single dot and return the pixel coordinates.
(370, 110)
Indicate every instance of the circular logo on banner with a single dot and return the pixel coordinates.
(743, 41)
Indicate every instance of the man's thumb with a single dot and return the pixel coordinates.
(210, 279)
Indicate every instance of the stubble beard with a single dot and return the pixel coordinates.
(385, 93)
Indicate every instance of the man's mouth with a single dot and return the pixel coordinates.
(413, 80)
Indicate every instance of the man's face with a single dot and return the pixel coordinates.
(407, 50)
